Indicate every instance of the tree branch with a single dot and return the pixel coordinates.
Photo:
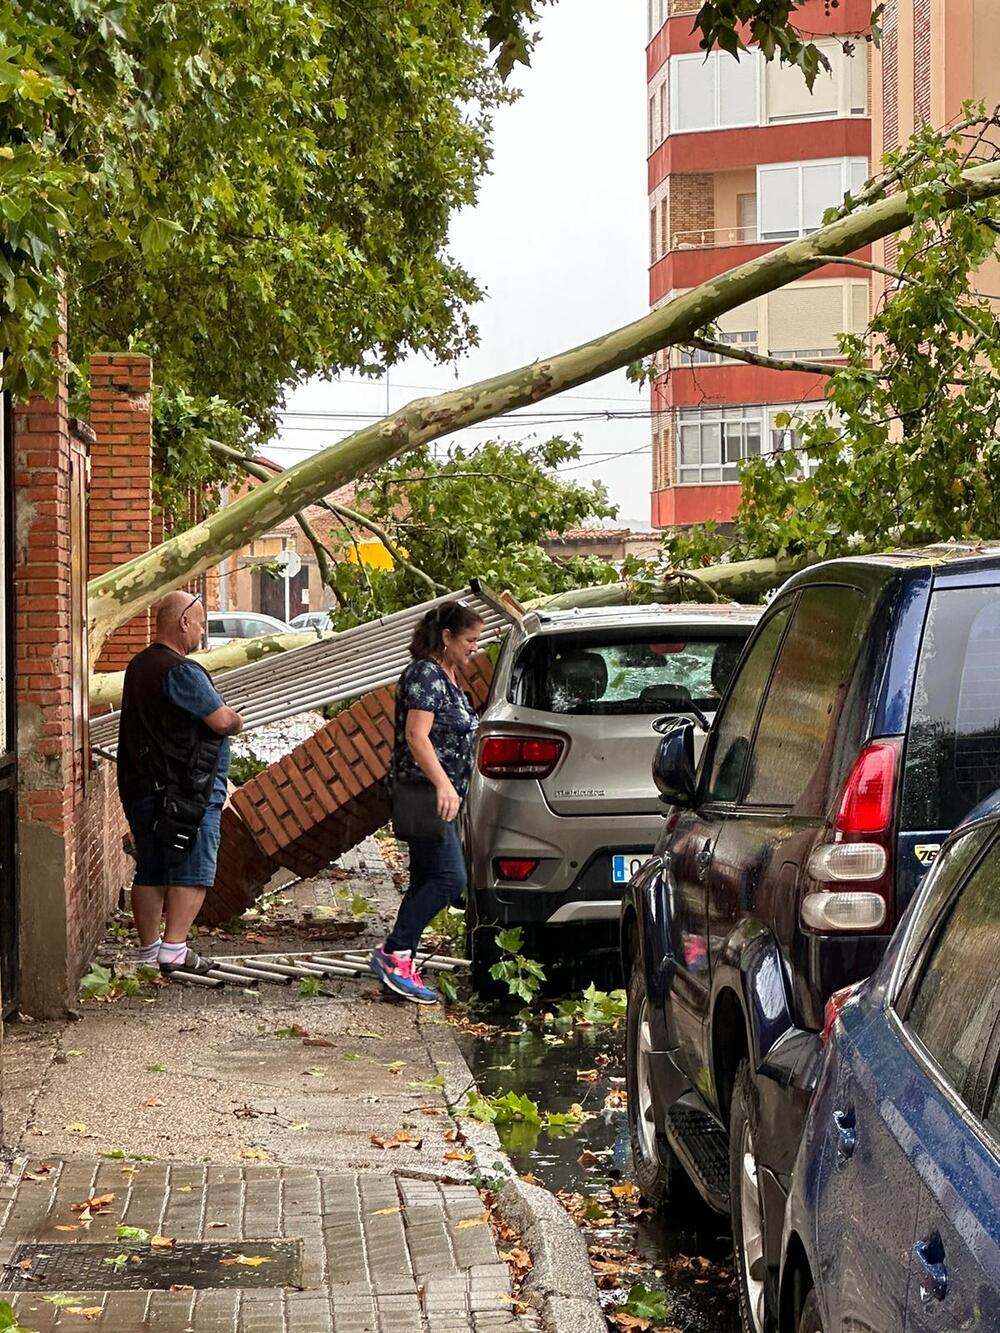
(123, 592)
(323, 556)
(759, 359)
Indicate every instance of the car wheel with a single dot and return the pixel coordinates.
(657, 1171)
(747, 1208)
(482, 951)
(809, 1320)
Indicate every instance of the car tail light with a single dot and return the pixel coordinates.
(519, 756)
(866, 805)
(856, 860)
(515, 868)
(833, 1007)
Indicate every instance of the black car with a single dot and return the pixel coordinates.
(862, 724)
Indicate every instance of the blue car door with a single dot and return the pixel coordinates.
(950, 1013)
(866, 1192)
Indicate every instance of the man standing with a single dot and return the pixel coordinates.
(173, 759)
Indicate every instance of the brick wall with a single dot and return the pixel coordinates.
(921, 61)
(70, 868)
(315, 804)
(684, 7)
(121, 482)
(692, 204)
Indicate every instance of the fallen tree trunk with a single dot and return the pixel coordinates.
(745, 581)
(106, 686)
(121, 593)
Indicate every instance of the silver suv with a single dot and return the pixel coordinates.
(562, 809)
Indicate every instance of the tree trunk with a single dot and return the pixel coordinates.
(741, 581)
(115, 597)
(106, 686)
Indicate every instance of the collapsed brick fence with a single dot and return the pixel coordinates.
(316, 803)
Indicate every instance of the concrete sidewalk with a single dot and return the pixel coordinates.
(229, 1118)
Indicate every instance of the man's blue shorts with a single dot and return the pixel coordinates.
(158, 864)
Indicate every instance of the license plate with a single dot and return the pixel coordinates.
(624, 866)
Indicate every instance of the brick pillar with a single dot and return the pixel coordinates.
(46, 787)
(120, 514)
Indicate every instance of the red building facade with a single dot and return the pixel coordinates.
(742, 158)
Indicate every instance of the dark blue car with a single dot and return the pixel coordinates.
(893, 1222)
(860, 727)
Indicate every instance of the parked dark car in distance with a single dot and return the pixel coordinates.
(858, 729)
(893, 1221)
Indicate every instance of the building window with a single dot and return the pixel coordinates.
(652, 122)
(793, 196)
(713, 92)
(712, 441)
(697, 356)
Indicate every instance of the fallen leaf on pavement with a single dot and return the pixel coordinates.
(455, 1156)
(587, 1075)
(299, 1124)
(628, 1323)
(472, 1222)
(519, 1260)
(96, 1205)
(78, 1127)
(317, 1041)
(616, 1097)
(217, 1224)
(180, 1286)
(253, 1154)
(397, 1140)
(74, 1228)
(314, 1073)
(588, 1159)
(530, 1178)
(163, 1242)
(627, 1190)
(385, 1212)
(88, 1311)
(246, 1260)
(518, 1306)
(153, 1101)
(183, 1189)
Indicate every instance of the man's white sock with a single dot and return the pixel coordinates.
(148, 953)
(172, 953)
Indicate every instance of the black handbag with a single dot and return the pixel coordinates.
(181, 808)
(415, 816)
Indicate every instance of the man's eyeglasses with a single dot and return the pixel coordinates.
(193, 602)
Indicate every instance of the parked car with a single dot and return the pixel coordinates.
(859, 728)
(562, 808)
(893, 1222)
(311, 620)
(225, 626)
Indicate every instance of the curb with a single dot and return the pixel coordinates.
(561, 1283)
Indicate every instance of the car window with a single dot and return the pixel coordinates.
(255, 629)
(796, 736)
(953, 748)
(956, 998)
(216, 625)
(614, 673)
(729, 742)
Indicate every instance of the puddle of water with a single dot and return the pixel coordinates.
(690, 1248)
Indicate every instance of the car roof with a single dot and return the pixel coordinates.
(682, 615)
(248, 615)
(956, 557)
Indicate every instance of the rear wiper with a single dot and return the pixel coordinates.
(689, 708)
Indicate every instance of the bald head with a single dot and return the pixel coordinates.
(180, 618)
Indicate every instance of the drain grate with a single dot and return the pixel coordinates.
(200, 1264)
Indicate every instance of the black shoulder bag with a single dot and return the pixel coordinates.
(414, 811)
(181, 806)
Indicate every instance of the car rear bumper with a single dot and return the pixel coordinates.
(591, 896)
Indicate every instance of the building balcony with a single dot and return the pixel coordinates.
(753, 145)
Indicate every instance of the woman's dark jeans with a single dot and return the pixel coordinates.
(437, 879)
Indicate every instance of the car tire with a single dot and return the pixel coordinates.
(809, 1319)
(657, 1172)
(746, 1206)
(482, 951)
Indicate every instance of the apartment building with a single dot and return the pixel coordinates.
(742, 158)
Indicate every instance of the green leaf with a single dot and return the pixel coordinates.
(645, 1303)
(157, 234)
(136, 1234)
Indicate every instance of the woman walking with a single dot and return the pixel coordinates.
(431, 766)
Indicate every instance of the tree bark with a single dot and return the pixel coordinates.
(120, 594)
(740, 581)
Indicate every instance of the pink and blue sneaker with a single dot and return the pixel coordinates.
(397, 973)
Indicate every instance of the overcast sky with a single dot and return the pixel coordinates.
(558, 241)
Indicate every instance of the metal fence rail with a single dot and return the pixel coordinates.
(343, 667)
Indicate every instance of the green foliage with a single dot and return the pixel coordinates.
(595, 1007)
(480, 512)
(646, 1303)
(184, 463)
(243, 767)
(8, 1320)
(449, 926)
(100, 983)
(252, 193)
(137, 1234)
(507, 1108)
(523, 976)
(907, 452)
(309, 987)
(770, 25)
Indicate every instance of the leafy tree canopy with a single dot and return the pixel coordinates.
(909, 450)
(253, 192)
(480, 512)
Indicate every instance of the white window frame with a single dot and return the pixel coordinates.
(847, 165)
(842, 87)
(762, 415)
(714, 58)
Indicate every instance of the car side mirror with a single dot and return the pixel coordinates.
(673, 767)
